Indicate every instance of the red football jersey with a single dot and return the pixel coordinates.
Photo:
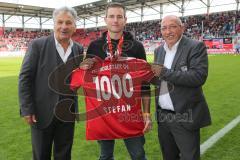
(112, 90)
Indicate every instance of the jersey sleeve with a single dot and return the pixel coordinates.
(77, 79)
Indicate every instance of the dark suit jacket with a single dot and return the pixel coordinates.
(35, 95)
(188, 73)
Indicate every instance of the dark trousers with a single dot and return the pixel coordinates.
(59, 135)
(238, 50)
(134, 146)
(177, 142)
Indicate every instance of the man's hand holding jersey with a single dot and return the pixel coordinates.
(157, 69)
(87, 63)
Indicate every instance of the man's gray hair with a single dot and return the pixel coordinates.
(70, 10)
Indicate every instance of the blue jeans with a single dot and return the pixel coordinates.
(134, 146)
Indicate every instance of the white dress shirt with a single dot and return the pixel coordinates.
(165, 100)
(64, 56)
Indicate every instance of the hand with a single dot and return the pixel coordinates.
(157, 69)
(87, 63)
(147, 122)
(30, 119)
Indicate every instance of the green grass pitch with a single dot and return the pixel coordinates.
(222, 92)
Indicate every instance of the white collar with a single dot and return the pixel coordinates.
(59, 45)
(174, 47)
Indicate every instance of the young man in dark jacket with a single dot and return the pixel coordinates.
(116, 42)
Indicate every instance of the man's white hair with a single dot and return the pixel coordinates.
(70, 10)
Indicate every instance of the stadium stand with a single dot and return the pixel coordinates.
(18, 39)
(215, 25)
(85, 36)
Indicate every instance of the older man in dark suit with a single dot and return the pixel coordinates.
(39, 94)
(181, 65)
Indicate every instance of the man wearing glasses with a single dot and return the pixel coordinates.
(181, 65)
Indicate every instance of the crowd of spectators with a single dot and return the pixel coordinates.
(85, 36)
(214, 25)
(148, 30)
(17, 40)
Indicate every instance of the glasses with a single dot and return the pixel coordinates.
(172, 27)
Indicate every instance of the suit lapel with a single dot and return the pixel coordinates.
(160, 56)
(179, 52)
(52, 53)
(159, 60)
(74, 52)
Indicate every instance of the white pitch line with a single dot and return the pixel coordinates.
(214, 138)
